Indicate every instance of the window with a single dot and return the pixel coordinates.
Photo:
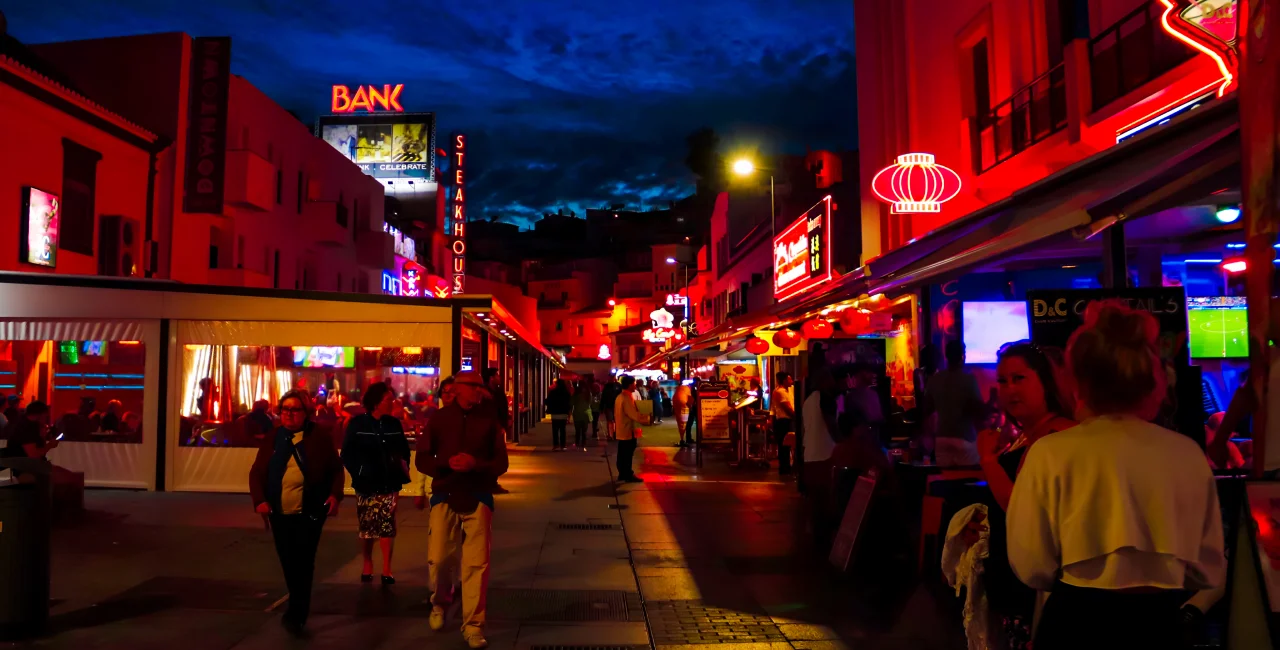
(65, 372)
(559, 326)
(624, 354)
(339, 285)
(213, 255)
(275, 270)
(302, 183)
(604, 328)
(981, 81)
(79, 182)
(240, 252)
(579, 330)
(342, 210)
(279, 186)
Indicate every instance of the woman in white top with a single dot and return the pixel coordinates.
(1115, 517)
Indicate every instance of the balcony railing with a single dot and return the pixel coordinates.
(1033, 113)
(1132, 52)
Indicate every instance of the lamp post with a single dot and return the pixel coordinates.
(684, 367)
(744, 167)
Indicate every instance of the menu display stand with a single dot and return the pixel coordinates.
(854, 514)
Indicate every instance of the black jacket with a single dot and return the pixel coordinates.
(609, 395)
(559, 402)
(321, 469)
(372, 452)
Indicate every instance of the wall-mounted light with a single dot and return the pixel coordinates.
(1228, 213)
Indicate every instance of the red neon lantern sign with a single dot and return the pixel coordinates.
(1208, 26)
(367, 98)
(916, 183)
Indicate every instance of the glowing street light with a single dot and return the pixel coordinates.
(743, 167)
(671, 260)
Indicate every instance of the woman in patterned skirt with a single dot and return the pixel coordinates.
(376, 454)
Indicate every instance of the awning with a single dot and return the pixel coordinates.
(1122, 182)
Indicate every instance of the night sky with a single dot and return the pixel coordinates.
(568, 104)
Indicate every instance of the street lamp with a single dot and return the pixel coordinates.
(688, 313)
(744, 167)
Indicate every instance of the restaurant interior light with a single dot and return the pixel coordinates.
(1235, 266)
(1228, 213)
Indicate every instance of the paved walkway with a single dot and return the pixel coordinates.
(692, 557)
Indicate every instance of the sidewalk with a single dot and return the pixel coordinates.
(691, 557)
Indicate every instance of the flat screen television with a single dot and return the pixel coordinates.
(988, 326)
(1218, 327)
(320, 356)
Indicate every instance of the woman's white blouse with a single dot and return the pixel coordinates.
(1116, 503)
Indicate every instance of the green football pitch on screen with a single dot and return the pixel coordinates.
(1219, 333)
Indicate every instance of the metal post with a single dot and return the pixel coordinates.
(773, 211)
(1115, 267)
(1259, 106)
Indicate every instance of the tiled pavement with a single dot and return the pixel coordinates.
(712, 558)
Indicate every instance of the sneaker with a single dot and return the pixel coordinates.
(436, 620)
(476, 640)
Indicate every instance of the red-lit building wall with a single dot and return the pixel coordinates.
(42, 117)
(918, 91)
(286, 191)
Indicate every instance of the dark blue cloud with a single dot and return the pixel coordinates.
(569, 103)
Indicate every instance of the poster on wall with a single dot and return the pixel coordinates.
(713, 411)
(41, 215)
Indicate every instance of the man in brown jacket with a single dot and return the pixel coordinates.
(464, 451)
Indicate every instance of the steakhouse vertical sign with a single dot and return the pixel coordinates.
(459, 219)
(207, 125)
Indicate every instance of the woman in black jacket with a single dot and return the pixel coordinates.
(376, 454)
(559, 403)
(296, 482)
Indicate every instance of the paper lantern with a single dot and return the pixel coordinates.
(757, 345)
(786, 339)
(916, 184)
(853, 321)
(818, 328)
(738, 370)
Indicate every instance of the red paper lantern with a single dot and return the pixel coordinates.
(853, 321)
(916, 184)
(738, 370)
(818, 328)
(757, 345)
(786, 339)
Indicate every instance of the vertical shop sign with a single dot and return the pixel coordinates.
(41, 215)
(207, 125)
(459, 215)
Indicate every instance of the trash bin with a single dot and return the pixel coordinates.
(26, 511)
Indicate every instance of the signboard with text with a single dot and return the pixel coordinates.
(713, 411)
(458, 215)
(1057, 313)
(206, 156)
(41, 215)
(802, 252)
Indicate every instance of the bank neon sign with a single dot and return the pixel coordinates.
(370, 99)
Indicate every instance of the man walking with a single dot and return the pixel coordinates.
(627, 420)
(464, 451)
(501, 407)
(783, 406)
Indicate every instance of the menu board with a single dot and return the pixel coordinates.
(854, 513)
(713, 411)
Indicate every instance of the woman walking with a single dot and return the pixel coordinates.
(1117, 516)
(581, 414)
(296, 482)
(1028, 394)
(376, 454)
(558, 405)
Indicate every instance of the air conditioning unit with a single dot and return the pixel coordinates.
(119, 247)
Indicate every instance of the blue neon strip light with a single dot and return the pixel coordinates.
(10, 386)
(97, 387)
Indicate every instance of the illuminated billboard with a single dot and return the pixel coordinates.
(802, 252)
(385, 145)
(41, 215)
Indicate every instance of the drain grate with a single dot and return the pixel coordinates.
(588, 527)
(564, 605)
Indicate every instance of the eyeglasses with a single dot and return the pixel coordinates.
(294, 410)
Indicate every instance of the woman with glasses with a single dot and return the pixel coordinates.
(296, 482)
(1027, 392)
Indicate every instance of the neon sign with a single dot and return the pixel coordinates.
(459, 245)
(367, 98)
(411, 278)
(1208, 26)
(440, 288)
(677, 300)
(664, 327)
(604, 354)
(802, 252)
(916, 183)
(42, 213)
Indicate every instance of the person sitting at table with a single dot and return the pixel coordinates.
(111, 419)
(1027, 392)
